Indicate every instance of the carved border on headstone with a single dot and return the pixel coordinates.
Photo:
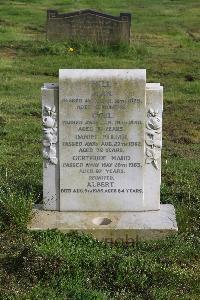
(49, 134)
(153, 137)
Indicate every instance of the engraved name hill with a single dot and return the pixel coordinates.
(88, 26)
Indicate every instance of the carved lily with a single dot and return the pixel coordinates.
(152, 156)
(45, 154)
(46, 143)
(48, 122)
(152, 141)
(52, 155)
(154, 123)
(49, 110)
(50, 135)
(152, 112)
(153, 138)
(53, 112)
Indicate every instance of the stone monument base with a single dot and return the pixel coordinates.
(110, 227)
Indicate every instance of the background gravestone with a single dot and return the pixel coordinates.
(88, 26)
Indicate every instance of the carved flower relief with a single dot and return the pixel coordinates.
(49, 111)
(49, 134)
(152, 156)
(153, 141)
(154, 122)
(50, 154)
(153, 137)
(48, 122)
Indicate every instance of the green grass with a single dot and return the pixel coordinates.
(51, 265)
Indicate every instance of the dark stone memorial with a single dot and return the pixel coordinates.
(88, 26)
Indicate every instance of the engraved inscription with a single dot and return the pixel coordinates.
(101, 140)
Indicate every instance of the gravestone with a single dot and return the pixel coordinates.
(88, 26)
(102, 155)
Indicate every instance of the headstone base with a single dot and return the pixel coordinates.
(110, 227)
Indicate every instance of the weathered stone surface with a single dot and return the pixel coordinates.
(111, 227)
(110, 138)
(108, 157)
(102, 140)
(89, 26)
(102, 156)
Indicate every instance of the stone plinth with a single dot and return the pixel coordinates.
(110, 227)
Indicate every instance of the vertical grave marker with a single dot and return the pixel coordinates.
(102, 118)
(102, 140)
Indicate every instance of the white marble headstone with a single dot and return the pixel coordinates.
(109, 134)
(102, 140)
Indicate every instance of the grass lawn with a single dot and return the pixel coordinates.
(51, 265)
